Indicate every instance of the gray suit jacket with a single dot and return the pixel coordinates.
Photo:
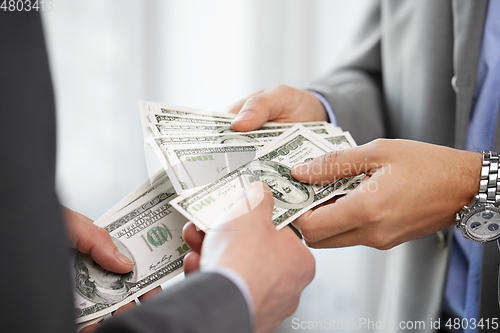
(34, 255)
(397, 83)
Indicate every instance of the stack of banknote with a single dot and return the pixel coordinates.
(210, 165)
(207, 168)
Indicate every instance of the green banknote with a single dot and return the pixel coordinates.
(272, 166)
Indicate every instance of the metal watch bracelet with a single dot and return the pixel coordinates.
(489, 186)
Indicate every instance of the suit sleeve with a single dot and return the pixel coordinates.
(354, 88)
(204, 302)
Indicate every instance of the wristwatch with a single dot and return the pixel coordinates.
(481, 221)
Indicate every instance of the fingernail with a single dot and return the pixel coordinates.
(243, 115)
(123, 258)
(302, 167)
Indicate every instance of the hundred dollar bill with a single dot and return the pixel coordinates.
(166, 119)
(272, 166)
(342, 141)
(160, 178)
(150, 233)
(183, 179)
(187, 129)
(198, 114)
(82, 325)
(186, 111)
(220, 159)
(177, 173)
(204, 165)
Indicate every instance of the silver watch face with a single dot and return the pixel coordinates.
(483, 223)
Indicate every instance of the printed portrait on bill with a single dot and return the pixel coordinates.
(287, 192)
(98, 285)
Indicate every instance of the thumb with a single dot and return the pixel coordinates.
(338, 164)
(88, 238)
(257, 202)
(256, 111)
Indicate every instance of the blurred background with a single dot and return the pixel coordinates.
(107, 55)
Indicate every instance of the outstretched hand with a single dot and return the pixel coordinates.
(279, 103)
(412, 189)
(87, 237)
(275, 264)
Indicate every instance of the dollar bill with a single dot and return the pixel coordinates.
(149, 232)
(204, 165)
(198, 114)
(218, 158)
(160, 178)
(180, 178)
(166, 119)
(187, 129)
(272, 166)
(82, 325)
(342, 141)
(169, 109)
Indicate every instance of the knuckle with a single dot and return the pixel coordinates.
(380, 146)
(254, 101)
(281, 89)
(379, 240)
(371, 211)
(102, 235)
(310, 265)
(292, 308)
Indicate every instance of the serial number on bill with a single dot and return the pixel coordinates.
(26, 5)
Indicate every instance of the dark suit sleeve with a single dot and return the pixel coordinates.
(354, 88)
(35, 278)
(206, 302)
(34, 252)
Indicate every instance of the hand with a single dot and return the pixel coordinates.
(413, 189)
(275, 264)
(279, 103)
(86, 237)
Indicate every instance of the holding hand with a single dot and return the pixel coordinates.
(412, 189)
(281, 103)
(275, 264)
(87, 237)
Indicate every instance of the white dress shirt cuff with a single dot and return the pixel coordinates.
(238, 281)
(327, 106)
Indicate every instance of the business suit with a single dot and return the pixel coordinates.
(397, 84)
(35, 279)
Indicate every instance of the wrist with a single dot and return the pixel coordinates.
(327, 108)
(471, 176)
(480, 221)
(320, 105)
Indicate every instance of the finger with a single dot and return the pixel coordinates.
(236, 107)
(346, 239)
(124, 308)
(371, 237)
(90, 328)
(191, 262)
(342, 163)
(86, 237)
(150, 294)
(258, 109)
(332, 219)
(193, 236)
